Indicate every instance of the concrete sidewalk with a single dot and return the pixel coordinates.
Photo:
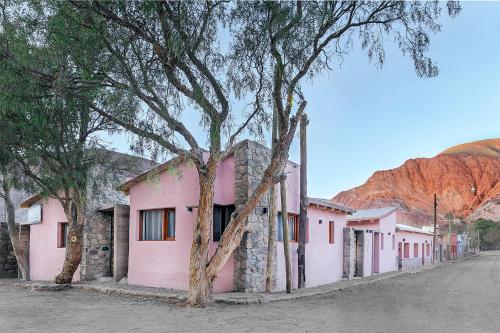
(170, 295)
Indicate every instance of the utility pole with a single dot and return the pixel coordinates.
(435, 230)
(303, 202)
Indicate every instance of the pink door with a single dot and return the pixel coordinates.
(376, 252)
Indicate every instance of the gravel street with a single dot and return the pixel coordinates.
(463, 297)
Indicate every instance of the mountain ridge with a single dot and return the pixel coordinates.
(464, 177)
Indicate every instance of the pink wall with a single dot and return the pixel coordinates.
(46, 259)
(166, 263)
(412, 237)
(323, 260)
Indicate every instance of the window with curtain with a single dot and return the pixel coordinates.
(407, 250)
(279, 227)
(293, 227)
(221, 218)
(381, 241)
(158, 224)
(415, 250)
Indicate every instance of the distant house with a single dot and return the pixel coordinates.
(105, 245)
(371, 242)
(414, 247)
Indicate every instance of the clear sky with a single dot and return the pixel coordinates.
(364, 119)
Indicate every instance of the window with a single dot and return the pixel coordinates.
(63, 234)
(407, 250)
(331, 232)
(393, 242)
(222, 216)
(382, 241)
(158, 224)
(293, 228)
(428, 249)
(415, 250)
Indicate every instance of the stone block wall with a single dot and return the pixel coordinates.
(8, 262)
(98, 247)
(349, 248)
(250, 257)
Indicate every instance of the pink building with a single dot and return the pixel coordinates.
(414, 247)
(371, 248)
(105, 250)
(163, 213)
(47, 239)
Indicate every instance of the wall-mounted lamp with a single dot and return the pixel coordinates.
(320, 221)
(389, 233)
(264, 211)
(404, 239)
(189, 208)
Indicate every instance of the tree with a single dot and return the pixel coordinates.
(49, 136)
(489, 232)
(164, 61)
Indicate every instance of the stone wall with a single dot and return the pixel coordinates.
(8, 262)
(250, 256)
(97, 247)
(349, 247)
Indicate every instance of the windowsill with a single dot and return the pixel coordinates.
(156, 240)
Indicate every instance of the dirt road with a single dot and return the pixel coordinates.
(461, 297)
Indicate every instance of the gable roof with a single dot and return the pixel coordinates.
(372, 213)
(125, 187)
(137, 164)
(324, 203)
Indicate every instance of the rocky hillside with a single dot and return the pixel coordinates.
(465, 178)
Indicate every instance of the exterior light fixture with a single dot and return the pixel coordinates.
(189, 208)
(320, 221)
(264, 211)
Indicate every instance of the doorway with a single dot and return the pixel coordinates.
(376, 252)
(423, 254)
(358, 259)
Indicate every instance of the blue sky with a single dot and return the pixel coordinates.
(364, 119)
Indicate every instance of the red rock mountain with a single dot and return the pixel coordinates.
(465, 178)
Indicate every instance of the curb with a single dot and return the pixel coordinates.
(217, 298)
(289, 297)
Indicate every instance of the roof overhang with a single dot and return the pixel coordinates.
(31, 200)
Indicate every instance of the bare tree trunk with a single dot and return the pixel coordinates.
(272, 214)
(286, 241)
(303, 203)
(76, 218)
(200, 286)
(231, 237)
(20, 249)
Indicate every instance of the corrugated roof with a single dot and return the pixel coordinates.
(329, 204)
(407, 228)
(371, 214)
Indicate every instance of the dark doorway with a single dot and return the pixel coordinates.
(358, 259)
